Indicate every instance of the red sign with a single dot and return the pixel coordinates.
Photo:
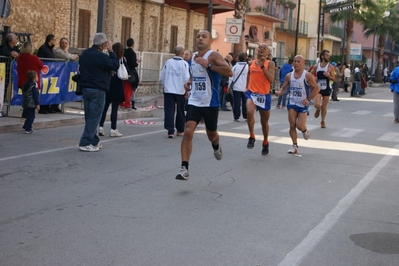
(385, 56)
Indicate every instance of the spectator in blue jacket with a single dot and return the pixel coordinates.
(96, 69)
(395, 89)
(285, 69)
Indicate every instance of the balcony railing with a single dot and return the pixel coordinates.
(290, 25)
(333, 30)
(267, 8)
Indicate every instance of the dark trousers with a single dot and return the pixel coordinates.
(239, 102)
(30, 117)
(114, 114)
(172, 103)
(334, 95)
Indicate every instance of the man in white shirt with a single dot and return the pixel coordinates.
(174, 75)
(239, 80)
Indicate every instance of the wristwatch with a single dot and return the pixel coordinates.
(209, 66)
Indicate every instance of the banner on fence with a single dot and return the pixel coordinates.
(56, 83)
(2, 84)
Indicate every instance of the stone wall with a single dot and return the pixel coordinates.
(151, 23)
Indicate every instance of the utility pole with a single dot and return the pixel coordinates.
(297, 28)
(210, 15)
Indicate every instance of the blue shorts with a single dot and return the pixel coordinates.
(268, 100)
(298, 109)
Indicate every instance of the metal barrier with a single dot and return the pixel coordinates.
(151, 64)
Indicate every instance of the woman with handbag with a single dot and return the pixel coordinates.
(114, 96)
(130, 85)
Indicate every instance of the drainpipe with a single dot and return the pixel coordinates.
(101, 16)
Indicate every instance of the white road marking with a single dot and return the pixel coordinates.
(347, 132)
(390, 136)
(362, 112)
(296, 256)
(75, 147)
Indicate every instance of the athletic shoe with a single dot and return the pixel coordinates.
(88, 148)
(317, 113)
(236, 120)
(99, 145)
(170, 136)
(218, 154)
(183, 175)
(396, 120)
(29, 131)
(306, 134)
(100, 131)
(293, 150)
(265, 149)
(323, 124)
(251, 143)
(115, 133)
(179, 134)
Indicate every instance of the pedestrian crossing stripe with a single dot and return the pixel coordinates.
(390, 136)
(347, 132)
(362, 112)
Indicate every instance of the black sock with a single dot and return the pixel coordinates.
(304, 130)
(296, 144)
(184, 163)
(215, 147)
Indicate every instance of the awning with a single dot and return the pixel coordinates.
(201, 6)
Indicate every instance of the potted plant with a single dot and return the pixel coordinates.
(259, 8)
(291, 5)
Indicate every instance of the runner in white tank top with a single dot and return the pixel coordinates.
(302, 88)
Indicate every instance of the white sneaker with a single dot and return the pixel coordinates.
(100, 131)
(218, 154)
(115, 133)
(88, 148)
(99, 145)
(293, 150)
(306, 134)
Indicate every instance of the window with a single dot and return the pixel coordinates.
(173, 39)
(84, 28)
(126, 29)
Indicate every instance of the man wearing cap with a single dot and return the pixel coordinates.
(95, 68)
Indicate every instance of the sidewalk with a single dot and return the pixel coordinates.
(74, 115)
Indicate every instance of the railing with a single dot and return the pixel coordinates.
(271, 8)
(291, 23)
(151, 64)
(333, 30)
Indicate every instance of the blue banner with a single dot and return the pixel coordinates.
(56, 83)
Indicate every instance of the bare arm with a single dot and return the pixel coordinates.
(314, 87)
(285, 84)
(269, 73)
(219, 65)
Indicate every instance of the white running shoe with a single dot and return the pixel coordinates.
(115, 133)
(293, 150)
(306, 134)
(89, 148)
(183, 174)
(218, 154)
(100, 131)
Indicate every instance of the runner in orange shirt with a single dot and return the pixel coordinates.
(260, 76)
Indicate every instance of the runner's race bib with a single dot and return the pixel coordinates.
(322, 84)
(259, 100)
(199, 85)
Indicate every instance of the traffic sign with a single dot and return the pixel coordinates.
(233, 27)
(233, 39)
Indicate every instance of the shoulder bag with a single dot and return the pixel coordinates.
(122, 71)
(234, 81)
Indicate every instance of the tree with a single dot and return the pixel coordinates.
(379, 17)
(370, 13)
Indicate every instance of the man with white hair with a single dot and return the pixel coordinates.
(95, 69)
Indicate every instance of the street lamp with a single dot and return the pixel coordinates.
(386, 14)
